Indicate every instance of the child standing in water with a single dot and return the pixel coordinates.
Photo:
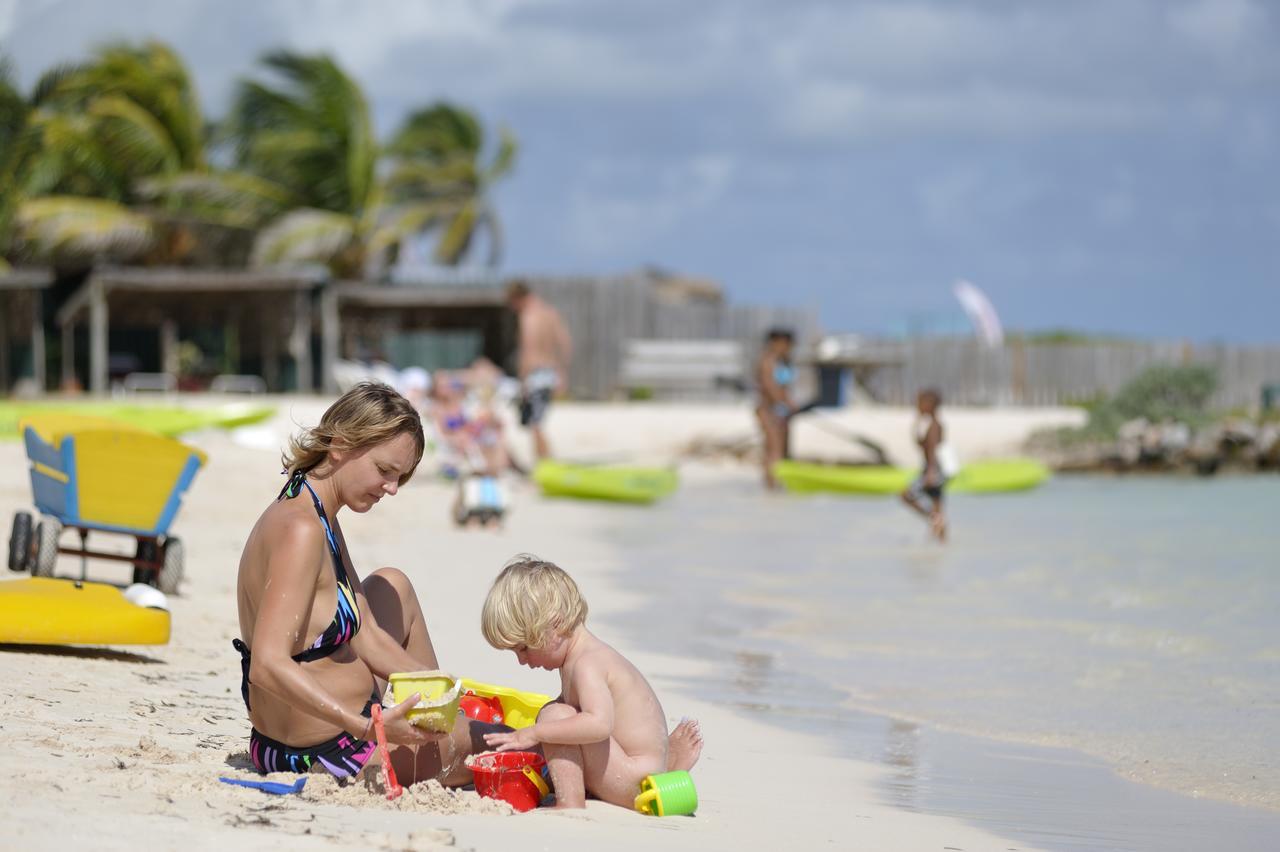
(939, 464)
(606, 731)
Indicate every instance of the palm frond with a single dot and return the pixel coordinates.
(458, 234)
(83, 227)
(406, 220)
(135, 136)
(505, 158)
(304, 236)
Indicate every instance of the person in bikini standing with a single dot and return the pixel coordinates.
(542, 360)
(774, 376)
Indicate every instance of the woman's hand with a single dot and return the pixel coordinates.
(401, 731)
(521, 740)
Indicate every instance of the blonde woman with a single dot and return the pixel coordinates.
(318, 642)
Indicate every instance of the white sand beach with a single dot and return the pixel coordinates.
(122, 748)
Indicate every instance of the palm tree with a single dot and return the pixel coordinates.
(310, 136)
(436, 154)
(92, 134)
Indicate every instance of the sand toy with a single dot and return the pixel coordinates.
(275, 788)
(41, 611)
(482, 499)
(515, 777)
(437, 707)
(389, 779)
(992, 476)
(93, 474)
(667, 794)
(617, 484)
(509, 707)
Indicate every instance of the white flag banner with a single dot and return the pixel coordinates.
(980, 311)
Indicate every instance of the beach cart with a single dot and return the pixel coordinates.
(92, 474)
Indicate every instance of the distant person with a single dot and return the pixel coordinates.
(939, 464)
(606, 731)
(774, 377)
(542, 362)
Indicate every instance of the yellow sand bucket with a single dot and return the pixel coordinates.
(437, 708)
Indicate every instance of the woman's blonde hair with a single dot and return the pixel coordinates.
(365, 416)
(528, 600)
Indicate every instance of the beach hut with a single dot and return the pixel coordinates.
(269, 312)
(22, 341)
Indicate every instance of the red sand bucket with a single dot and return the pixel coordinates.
(512, 776)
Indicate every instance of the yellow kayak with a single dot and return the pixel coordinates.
(44, 611)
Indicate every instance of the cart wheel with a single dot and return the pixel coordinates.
(168, 577)
(47, 533)
(20, 542)
(146, 550)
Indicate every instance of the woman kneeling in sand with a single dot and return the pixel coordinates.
(319, 643)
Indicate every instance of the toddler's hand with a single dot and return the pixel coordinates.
(521, 740)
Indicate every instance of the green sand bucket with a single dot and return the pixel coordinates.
(667, 794)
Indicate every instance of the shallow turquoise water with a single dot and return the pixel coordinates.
(1131, 620)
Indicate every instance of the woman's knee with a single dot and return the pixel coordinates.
(388, 579)
(392, 599)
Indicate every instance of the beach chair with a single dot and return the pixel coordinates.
(93, 474)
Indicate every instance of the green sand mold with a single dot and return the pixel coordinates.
(164, 419)
(992, 476)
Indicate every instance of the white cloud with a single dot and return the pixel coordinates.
(621, 206)
(1220, 26)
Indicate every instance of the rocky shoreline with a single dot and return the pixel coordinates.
(1235, 445)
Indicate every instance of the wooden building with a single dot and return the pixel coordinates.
(22, 332)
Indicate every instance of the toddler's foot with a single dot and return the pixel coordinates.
(684, 746)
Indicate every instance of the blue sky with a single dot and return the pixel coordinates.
(1102, 165)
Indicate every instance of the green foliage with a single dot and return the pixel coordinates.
(110, 158)
(1161, 393)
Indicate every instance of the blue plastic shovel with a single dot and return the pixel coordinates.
(275, 788)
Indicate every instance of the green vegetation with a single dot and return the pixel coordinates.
(1158, 394)
(113, 159)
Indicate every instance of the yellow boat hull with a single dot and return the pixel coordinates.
(43, 611)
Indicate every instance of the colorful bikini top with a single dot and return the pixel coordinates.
(346, 619)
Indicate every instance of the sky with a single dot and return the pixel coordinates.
(1106, 166)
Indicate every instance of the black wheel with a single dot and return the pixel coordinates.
(47, 533)
(20, 542)
(170, 574)
(146, 550)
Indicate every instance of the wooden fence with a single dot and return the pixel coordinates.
(603, 313)
(969, 373)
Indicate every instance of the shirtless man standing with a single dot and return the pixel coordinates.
(542, 362)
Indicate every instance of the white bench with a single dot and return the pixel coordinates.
(164, 383)
(236, 383)
(683, 368)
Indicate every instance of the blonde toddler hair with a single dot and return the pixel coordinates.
(529, 599)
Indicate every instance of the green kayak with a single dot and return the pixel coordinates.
(619, 484)
(991, 476)
(166, 419)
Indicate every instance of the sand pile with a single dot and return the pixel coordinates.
(368, 791)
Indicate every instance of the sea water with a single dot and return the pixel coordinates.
(1107, 629)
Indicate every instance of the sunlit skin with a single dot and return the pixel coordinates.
(287, 594)
(774, 399)
(606, 731)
